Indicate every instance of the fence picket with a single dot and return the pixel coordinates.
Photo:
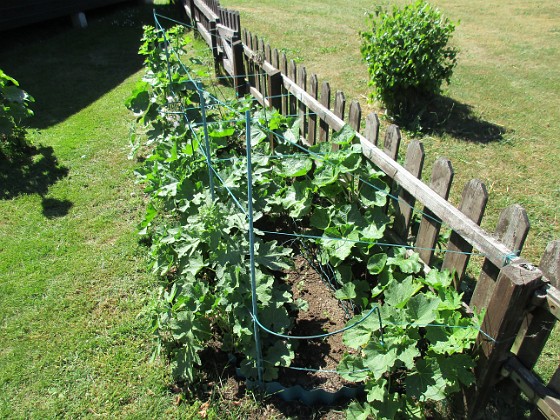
(326, 102)
(285, 93)
(372, 128)
(473, 204)
(414, 163)
(355, 115)
(513, 227)
(442, 176)
(312, 124)
(292, 74)
(538, 325)
(339, 109)
(302, 109)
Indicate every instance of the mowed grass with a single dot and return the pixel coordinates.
(501, 124)
(73, 278)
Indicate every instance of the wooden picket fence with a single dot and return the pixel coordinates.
(522, 300)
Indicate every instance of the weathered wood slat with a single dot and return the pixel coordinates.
(292, 74)
(226, 32)
(260, 60)
(512, 229)
(514, 288)
(442, 176)
(473, 204)
(414, 163)
(538, 325)
(326, 105)
(302, 109)
(285, 94)
(372, 128)
(204, 33)
(392, 141)
(206, 10)
(545, 398)
(355, 115)
(274, 83)
(258, 96)
(312, 125)
(238, 66)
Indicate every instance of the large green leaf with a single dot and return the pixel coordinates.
(272, 256)
(421, 309)
(398, 294)
(352, 368)
(362, 333)
(292, 167)
(376, 263)
(380, 358)
(407, 264)
(427, 383)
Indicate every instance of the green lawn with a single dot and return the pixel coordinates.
(72, 275)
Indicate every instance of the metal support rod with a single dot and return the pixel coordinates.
(206, 140)
(256, 329)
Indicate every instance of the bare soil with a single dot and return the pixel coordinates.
(325, 314)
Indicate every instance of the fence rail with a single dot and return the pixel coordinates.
(521, 300)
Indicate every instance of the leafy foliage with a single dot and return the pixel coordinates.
(408, 55)
(334, 196)
(418, 355)
(14, 109)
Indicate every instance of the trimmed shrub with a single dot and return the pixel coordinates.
(408, 55)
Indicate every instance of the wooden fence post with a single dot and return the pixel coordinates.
(514, 288)
(473, 203)
(442, 176)
(414, 163)
(239, 73)
(538, 325)
(512, 229)
(274, 84)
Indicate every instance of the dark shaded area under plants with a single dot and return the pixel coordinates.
(229, 393)
(446, 116)
(65, 80)
(33, 172)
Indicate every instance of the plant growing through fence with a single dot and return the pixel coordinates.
(14, 109)
(331, 199)
(408, 55)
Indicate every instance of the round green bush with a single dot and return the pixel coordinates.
(408, 55)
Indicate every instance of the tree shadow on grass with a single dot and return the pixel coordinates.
(33, 172)
(446, 116)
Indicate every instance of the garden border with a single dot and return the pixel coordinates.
(521, 300)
